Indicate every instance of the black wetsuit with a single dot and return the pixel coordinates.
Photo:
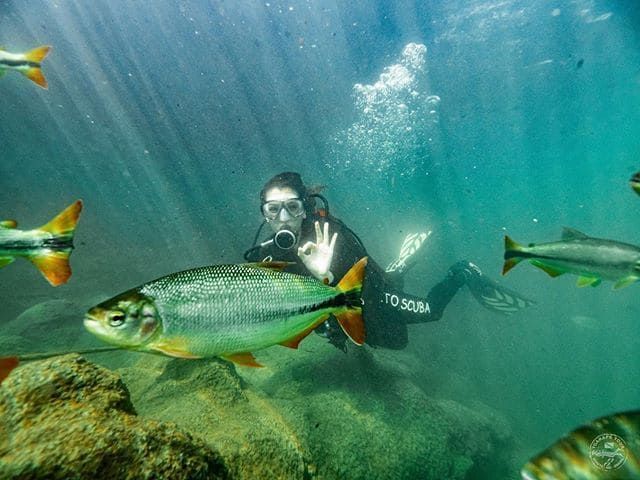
(387, 310)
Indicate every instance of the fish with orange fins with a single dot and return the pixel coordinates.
(47, 247)
(606, 448)
(592, 259)
(27, 64)
(228, 311)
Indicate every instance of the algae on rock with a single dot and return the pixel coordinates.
(67, 418)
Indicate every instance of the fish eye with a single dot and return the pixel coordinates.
(116, 319)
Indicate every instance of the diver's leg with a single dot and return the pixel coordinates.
(489, 293)
(486, 291)
(441, 294)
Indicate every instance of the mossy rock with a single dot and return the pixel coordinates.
(66, 418)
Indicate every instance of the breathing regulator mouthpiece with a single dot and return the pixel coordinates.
(283, 239)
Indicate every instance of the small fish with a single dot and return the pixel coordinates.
(47, 247)
(227, 311)
(635, 182)
(607, 448)
(27, 64)
(592, 259)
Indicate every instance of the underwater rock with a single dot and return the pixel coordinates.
(322, 414)
(208, 398)
(359, 416)
(68, 418)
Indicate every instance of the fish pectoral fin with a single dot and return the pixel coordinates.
(584, 281)
(8, 223)
(4, 261)
(625, 282)
(573, 234)
(175, 347)
(352, 325)
(278, 266)
(244, 358)
(54, 266)
(551, 271)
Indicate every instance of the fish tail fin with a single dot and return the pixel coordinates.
(38, 54)
(352, 325)
(7, 364)
(64, 223)
(352, 281)
(54, 262)
(54, 265)
(511, 251)
(36, 76)
(34, 73)
(350, 320)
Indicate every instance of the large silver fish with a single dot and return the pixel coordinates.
(592, 259)
(606, 449)
(47, 247)
(227, 311)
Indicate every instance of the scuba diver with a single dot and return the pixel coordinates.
(297, 236)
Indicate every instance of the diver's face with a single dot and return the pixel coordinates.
(283, 209)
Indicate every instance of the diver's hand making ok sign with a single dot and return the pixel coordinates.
(317, 256)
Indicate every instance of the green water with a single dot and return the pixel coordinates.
(506, 117)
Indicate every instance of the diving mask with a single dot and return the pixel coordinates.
(272, 208)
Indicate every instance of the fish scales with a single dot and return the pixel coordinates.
(228, 311)
(592, 259)
(223, 307)
(608, 258)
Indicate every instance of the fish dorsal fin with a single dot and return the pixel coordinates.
(243, 358)
(278, 266)
(65, 222)
(8, 224)
(573, 234)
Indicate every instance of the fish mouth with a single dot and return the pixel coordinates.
(93, 325)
